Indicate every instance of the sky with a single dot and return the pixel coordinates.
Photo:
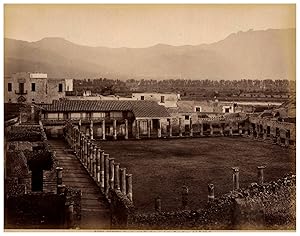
(139, 26)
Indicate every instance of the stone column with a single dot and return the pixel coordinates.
(184, 194)
(32, 113)
(111, 173)
(240, 129)
(115, 129)
(61, 189)
(95, 162)
(106, 173)
(211, 128)
(79, 125)
(287, 138)
(98, 163)
(59, 172)
(211, 192)
(201, 129)
(91, 130)
(149, 128)
(91, 158)
(126, 129)
(221, 130)
(191, 127)
(230, 129)
(159, 129)
(129, 186)
(170, 127)
(260, 174)
(103, 129)
(180, 127)
(102, 163)
(84, 150)
(158, 204)
(123, 180)
(137, 129)
(235, 178)
(117, 176)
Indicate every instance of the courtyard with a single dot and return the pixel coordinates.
(162, 167)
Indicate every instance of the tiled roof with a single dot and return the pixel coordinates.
(139, 108)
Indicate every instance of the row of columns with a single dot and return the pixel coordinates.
(103, 169)
(259, 131)
(159, 129)
(91, 129)
(211, 188)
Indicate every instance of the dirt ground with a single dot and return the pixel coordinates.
(162, 167)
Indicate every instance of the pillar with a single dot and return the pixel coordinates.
(123, 180)
(230, 129)
(98, 163)
(91, 130)
(70, 214)
(149, 128)
(106, 173)
(115, 129)
(129, 186)
(102, 163)
(137, 129)
(201, 129)
(184, 195)
(91, 158)
(59, 173)
(103, 129)
(84, 150)
(191, 127)
(211, 128)
(111, 173)
(117, 176)
(180, 127)
(158, 204)
(221, 130)
(126, 129)
(235, 178)
(211, 192)
(61, 189)
(95, 162)
(170, 127)
(159, 128)
(240, 129)
(260, 174)
(79, 125)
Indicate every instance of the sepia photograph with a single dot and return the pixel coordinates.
(149, 117)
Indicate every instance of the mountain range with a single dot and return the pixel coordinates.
(254, 54)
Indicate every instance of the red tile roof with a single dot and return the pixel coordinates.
(139, 108)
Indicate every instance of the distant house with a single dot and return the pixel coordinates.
(35, 87)
(165, 99)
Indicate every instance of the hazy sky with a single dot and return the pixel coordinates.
(141, 25)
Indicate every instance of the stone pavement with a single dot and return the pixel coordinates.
(95, 212)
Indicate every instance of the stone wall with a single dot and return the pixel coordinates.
(38, 211)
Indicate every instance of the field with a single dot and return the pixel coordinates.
(162, 167)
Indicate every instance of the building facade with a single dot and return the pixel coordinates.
(34, 88)
(164, 99)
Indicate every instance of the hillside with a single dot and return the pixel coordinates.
(251, 55)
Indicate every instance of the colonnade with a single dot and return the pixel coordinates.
(104, 170)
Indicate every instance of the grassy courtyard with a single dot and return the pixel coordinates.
(162, 167)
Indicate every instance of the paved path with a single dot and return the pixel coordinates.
(95, 213)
